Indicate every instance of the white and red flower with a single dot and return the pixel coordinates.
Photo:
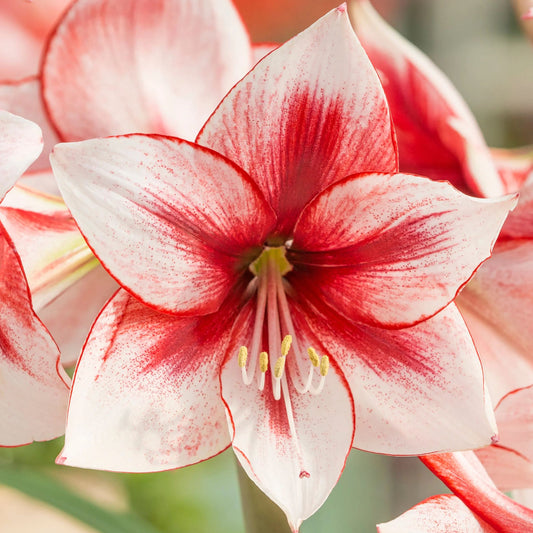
(33, 385)
(284, 232)
(439, 138)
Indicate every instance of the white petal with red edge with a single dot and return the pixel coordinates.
(24, 98)
(142, 66)
(417, 390)
(33, 385)
(309, 114)
(294, 448)
(395, 248)
(62, 256)
(146, 393)
(174, 219)
(439, 514)
(20, 143)
(437, 134)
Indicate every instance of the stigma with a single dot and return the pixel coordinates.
(283, 355)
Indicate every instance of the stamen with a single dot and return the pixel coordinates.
(324, 365)
(279, 367)
(263, 362)
(286, 345)
(313, 356)
(263, 366)
(243, 356)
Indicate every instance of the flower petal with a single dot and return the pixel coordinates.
(505, 364)
(440, 514)
(24, 98)
(514, 166)
(437, 134)
(464, 475)
(34, 390)
(142, 66)
(388, 258)
(311, 113)
(20, 144)
(293, 448)
(174, 219)
(501, 295)
(146, 394)
(417, 390)
(61, 257)
(519, 225)
(86, 296)
(510, 462)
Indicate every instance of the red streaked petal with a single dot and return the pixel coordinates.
(437, 134)
(465, 476)
(146, 393)
(174, 219)
(24, 98)
(514, 166)
(392, 250)
(20, 144)
(142, 66)
(61, 257)
(293, 448)
(34, 389)
(416, 390)
(440, 514)
(309, 114)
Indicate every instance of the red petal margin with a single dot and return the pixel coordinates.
(309, 114)
(153, 66)
(463, 474)
(146, 393)
(33, 385)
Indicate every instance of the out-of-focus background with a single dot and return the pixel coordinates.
(480, 46)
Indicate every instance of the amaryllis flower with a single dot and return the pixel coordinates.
(438, 137)
(33, 386)
(282, 282)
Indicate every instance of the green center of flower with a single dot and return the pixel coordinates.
(273, 318)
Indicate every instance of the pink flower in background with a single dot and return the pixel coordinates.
(289, 285)
(33, 386)
(439, 138)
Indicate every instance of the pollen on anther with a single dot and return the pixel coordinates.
(313, 356)
(263, 361)
(324, 365)
(279, 367)
(286, 345)
(243, 356)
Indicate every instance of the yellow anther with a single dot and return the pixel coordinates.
(263, 361)
(315, 360)
(279, 366)
(243, 356)
(324, 365)
(286, 345)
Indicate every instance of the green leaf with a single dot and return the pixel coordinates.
(54, 493)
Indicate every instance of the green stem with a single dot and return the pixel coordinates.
(261, 514)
